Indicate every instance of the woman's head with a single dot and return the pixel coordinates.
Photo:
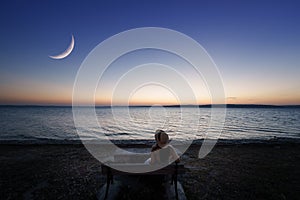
(161, 137)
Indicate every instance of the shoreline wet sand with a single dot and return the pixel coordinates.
(230, 171)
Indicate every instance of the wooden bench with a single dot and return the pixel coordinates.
(120, 169)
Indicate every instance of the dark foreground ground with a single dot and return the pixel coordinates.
(248, 171)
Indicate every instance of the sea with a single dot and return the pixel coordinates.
(50, 124)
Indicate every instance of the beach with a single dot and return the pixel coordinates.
(267, 170)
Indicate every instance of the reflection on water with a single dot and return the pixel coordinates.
(22, 123)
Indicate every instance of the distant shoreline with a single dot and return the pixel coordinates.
(171, 106)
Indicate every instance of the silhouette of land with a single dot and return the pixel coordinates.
(184, 105)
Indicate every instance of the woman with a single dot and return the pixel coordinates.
(162, 152)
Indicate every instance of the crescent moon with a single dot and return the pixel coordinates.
(66, 52)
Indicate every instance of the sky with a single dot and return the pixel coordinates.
(254, 44)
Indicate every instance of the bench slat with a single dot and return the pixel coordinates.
(119, 169)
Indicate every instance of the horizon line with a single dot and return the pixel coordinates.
(167, 105)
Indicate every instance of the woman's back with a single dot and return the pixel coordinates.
(164, 154)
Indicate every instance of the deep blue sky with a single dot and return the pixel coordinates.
(255, 44)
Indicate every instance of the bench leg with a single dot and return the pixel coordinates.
(107, 185)
(176, 189)
(109, 180)
(175, 180)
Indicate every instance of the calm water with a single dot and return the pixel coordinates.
(34, 123)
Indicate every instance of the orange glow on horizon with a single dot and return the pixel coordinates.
(42, 95)
(68, 101)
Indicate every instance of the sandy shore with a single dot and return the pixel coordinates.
(236, 171)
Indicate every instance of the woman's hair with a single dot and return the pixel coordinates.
(161, 136)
